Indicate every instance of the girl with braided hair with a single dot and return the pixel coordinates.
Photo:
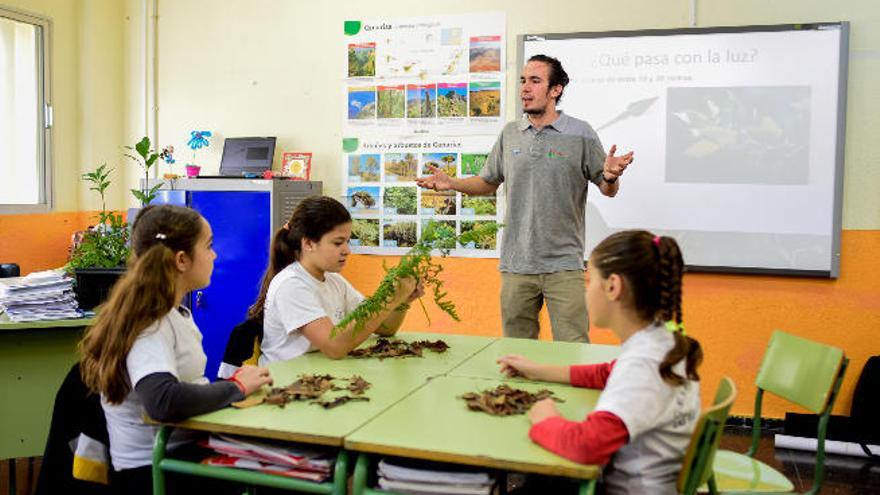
(650, 396)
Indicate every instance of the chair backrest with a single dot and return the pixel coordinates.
(697, 466)
(243, 347)
(800, 370)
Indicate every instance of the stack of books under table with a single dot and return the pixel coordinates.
(417, 477)
(273, 458)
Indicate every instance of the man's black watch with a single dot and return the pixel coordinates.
(610, 181)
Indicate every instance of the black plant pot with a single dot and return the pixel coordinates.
(93, 285)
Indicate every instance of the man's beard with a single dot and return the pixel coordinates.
(537, 112)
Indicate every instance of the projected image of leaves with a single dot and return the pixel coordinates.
(738, 135)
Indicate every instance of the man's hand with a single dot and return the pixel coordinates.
(438, 181)
(615, 165)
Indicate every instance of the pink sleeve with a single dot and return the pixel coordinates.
(590, 375)
(592, 441)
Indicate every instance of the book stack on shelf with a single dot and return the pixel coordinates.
(423, 478)
(282, 459)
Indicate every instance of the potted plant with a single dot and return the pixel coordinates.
(98, 259)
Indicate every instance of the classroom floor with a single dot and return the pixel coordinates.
(844, 475)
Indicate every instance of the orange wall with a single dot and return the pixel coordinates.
(731, 315)
(40, 241)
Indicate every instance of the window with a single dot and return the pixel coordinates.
(25, 114)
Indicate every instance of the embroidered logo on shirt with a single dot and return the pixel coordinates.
(554, 153)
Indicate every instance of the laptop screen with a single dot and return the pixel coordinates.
(249, 155)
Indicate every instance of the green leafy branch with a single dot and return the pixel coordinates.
(146, 158)
(418, 264)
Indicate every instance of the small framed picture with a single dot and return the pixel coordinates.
(297, 166)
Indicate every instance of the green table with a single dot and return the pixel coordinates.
(461, 436)
(483, 364)
(413, 411)
(34, 359)
(391, 380)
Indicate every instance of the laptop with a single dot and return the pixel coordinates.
(246, 157)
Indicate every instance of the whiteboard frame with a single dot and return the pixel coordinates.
(842, 75)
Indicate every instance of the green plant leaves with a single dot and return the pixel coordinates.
(419, 264)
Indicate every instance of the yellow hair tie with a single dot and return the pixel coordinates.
(675, 327)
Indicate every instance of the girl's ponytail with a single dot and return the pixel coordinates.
(285, 249)
(311, 219)
(144, 294)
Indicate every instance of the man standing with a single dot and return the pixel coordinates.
(546, 160)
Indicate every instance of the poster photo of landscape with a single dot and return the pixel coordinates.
(400, 200)
(485, 54)
(451, 100)
(421, 101)
(364, 168)
(419, 75)
(363, 200)
(362, 60)
(391, 102)
(425, 91)
(446, 162)
(364, 232)
(472, 163)
(438, 203)
(399, 233)
(485, 99)
(401, 167)
(362, 103)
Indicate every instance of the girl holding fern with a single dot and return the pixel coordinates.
(650, 396)
(303, 297)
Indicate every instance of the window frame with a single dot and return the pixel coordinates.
(46, 198)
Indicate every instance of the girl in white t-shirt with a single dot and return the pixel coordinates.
(650, 396)
(303, 296)
(144, 353)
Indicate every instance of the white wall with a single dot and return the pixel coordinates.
(275, 67)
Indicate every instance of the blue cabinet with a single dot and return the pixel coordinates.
(243, 215)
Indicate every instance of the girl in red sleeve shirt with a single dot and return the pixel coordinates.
(650, 396)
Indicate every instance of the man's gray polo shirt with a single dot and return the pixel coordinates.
(545, 174)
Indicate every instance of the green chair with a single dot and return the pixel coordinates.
(697, 467)
(800, 371)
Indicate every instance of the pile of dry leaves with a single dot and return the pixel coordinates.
(505, 401)
(384, 348)
(311, 388)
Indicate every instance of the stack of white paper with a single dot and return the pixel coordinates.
(283, 459)
(44, 295)
(410, 477)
